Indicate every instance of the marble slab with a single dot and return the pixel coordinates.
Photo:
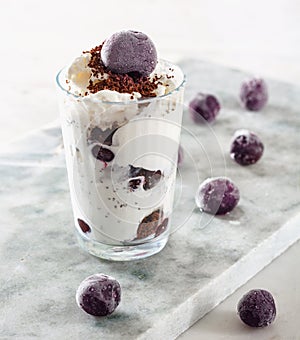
(206, 259)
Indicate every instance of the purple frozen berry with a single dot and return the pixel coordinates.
(103, 154)
(149, 178)
(162, 227)
(98, 295)
(257, 308)
(246, 147)
(83, 226)
(180, 156)
(204, 107)
(217, 196)
(129, 52)
(151, 224)
(254, 94)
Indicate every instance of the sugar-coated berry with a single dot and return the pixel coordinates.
(138, 175)
(246, 147)
(152, 225)
(254, 94)
(103, 154)
(217, 196)
(98, 295)
(162, 227)
(83, 226)
(257, 308)
(129, 52)
(204, 107)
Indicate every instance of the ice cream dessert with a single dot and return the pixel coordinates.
(121, 120)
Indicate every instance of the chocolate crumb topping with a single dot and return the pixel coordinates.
(122, 83)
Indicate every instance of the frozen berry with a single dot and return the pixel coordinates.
(98, 294)
(254, 94)
(204, 107)
(149, 224)
(180, 156)
(103, 154)
(129, 52)
(246, 148)
(257, 308)
(217, 196)
(83, 226)
(162, 227)
(135, 183)
(149, 178)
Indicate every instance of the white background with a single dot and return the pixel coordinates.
(260, 36)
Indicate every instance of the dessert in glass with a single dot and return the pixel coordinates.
(121, 111)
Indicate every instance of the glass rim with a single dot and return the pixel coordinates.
(137, 101)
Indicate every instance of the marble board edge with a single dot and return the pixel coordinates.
(196, 306)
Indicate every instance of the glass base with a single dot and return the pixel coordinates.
(122, 252)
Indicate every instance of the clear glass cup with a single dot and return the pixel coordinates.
(121, 161)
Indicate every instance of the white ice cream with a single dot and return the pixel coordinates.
(147, 136)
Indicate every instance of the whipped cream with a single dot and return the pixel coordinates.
(79, 74)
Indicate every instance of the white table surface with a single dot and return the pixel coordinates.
(260, 36)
